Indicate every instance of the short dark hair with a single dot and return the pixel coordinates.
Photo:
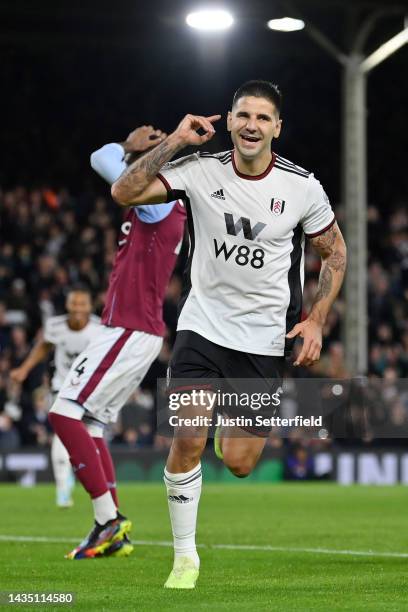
(260, 89)
(79, 288)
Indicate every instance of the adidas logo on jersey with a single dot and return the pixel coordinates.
(218, 194)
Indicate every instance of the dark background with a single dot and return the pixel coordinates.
(75, 75)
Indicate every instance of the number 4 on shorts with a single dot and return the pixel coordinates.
(80, 369)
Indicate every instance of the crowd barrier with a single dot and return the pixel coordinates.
(357, 466)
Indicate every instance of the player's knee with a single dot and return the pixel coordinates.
(241, 465)
(191, 448)
(240, 469)
(66, 408)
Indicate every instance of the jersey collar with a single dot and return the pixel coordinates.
(256, 177)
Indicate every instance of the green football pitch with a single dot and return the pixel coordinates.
(262, 547)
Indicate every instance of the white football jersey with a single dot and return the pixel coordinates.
(245, 271)
(68, 343)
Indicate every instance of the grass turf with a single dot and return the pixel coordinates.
(288, 515)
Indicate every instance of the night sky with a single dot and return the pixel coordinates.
(80, 74)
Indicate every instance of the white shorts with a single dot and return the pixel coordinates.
(109, 370)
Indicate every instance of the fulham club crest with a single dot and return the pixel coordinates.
(277, 206)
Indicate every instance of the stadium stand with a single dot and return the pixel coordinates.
(51, 240)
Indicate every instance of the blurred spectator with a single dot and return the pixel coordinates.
(9, 436)
(332, 363)
(37, 430)
(19, 345)
(299, 464)
(4, 327)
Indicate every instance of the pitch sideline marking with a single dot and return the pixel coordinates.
(248, 547)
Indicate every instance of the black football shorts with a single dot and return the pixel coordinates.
(194, 358)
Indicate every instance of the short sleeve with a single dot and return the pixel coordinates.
(108, 161)
(49, 332)
(178, 177)
(154, 213)
(319, 215)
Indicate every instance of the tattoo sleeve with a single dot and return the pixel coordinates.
(332, 249)
(141, 172)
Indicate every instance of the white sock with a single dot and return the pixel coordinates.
(183, 495)
(61, 467)
(104, 508)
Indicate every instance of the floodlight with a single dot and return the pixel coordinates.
(210, 20)
(286, 24)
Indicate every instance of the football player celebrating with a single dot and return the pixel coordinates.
(248, 212)
(113, 365)
(68, 335)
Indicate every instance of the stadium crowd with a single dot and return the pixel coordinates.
(52, 240)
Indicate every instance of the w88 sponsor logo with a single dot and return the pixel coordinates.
(242, 255)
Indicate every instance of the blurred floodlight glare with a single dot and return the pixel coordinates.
(210, 20)
(286, 24)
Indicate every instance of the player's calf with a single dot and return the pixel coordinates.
(96, 431)
(241, 454)
(85, 461)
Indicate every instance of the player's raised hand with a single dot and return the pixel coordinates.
(187, 130)
(143, 138)
(311, 332)
(18, 375)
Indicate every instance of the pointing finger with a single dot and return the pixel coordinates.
(208, 125)
(213, 118)
(205, 125)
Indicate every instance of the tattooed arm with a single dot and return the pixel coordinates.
(138, 183)
(332, 249)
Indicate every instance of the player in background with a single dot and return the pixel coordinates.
(67, 335)
(111, 368)
(248, 212)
